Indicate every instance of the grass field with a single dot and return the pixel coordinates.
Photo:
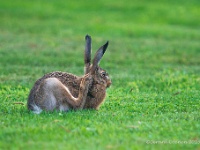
(153, 60)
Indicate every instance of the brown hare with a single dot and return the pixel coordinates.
(64, 91)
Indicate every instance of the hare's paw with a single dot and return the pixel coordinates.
(86, 81)
(88, 78)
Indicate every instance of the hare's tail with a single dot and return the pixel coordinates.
(32, 105)
(35, 109)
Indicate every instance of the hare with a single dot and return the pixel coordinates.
(63, 91)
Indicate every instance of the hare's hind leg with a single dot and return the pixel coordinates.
(47, 96)
(58, 95)
(55, 94)
(46, 99)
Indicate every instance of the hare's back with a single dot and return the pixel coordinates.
(69, 80)
(62, 76)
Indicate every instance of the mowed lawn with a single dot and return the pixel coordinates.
(153, 59)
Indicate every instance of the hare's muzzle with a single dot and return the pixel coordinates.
(109, 82)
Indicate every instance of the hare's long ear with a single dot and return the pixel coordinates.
(87, 55)
(98, 56)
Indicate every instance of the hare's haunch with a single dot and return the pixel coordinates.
(63, 91)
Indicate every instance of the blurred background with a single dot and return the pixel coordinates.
(49, 34)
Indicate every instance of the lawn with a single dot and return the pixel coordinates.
(153, 59)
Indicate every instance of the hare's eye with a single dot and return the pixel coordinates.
(103, 74)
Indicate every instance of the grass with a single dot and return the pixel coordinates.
(153, 60)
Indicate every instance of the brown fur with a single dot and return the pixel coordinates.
(64, 91)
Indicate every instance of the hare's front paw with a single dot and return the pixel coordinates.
(88, 79)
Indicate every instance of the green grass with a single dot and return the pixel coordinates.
(153, 60)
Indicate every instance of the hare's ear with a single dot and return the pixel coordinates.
(98, 56)
(87, 55)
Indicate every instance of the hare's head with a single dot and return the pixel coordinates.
(100, 76)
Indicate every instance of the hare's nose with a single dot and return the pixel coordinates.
(109, 83)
